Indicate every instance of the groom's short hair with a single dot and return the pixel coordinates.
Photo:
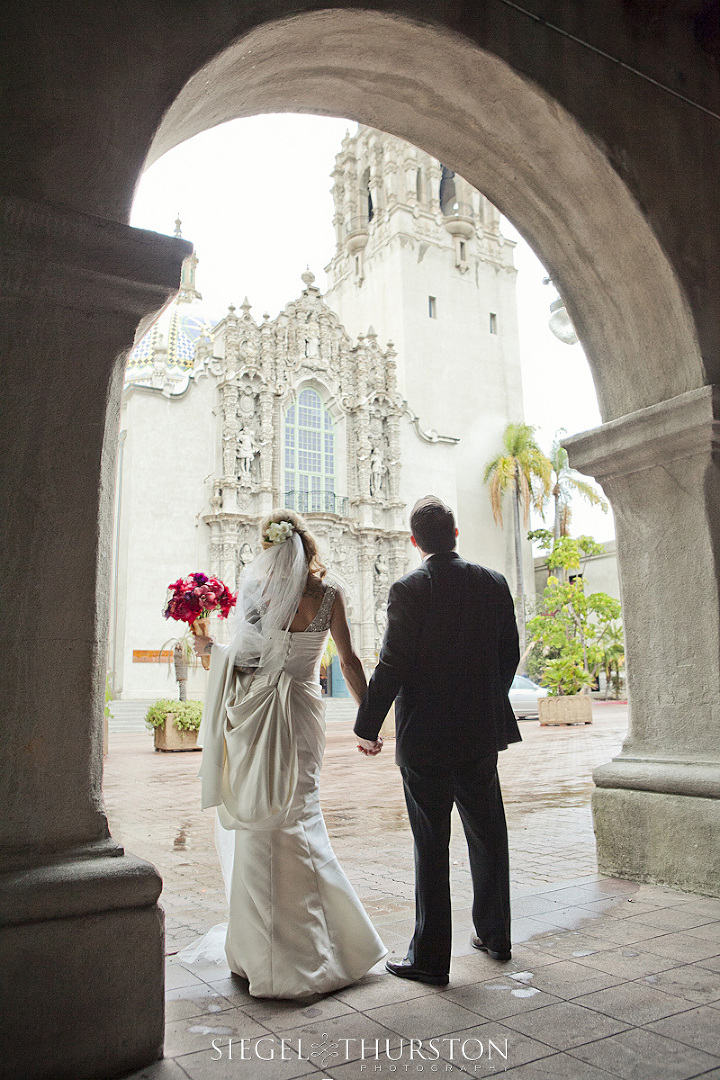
(433, 525)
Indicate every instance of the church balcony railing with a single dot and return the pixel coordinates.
(316, 502)
(356, 233)
(459, 219)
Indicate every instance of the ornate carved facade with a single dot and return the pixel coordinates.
(288, 412)
(310, 421)
(227, 418)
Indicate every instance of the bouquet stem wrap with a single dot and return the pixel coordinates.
(200, 629)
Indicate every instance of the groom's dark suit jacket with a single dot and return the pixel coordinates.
(448, 659)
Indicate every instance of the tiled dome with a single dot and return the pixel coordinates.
(177, 328)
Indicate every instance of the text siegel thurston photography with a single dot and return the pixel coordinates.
(373, 1056)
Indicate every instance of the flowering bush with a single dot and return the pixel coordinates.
(277, 532)
(194, 597)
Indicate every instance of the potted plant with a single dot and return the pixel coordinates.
(175, 724)
(571, 630)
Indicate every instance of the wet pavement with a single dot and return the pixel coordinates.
(608, 978)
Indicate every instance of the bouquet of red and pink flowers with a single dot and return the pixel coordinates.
(192, 599)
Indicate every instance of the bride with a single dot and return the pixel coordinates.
(296, 926)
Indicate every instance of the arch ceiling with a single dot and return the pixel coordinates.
(508, 138)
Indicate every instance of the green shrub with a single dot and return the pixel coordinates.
(572, 630)
(188, 714)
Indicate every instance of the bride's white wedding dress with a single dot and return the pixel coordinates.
(296, 926)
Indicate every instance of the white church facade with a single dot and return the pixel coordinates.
(347, 407)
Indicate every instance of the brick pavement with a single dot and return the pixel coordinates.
(608, 978)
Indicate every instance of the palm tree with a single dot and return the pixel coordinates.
(566, 482)
(524, 471)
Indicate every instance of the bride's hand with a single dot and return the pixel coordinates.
(366, 746)
(202, 645)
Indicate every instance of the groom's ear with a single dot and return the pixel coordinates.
(457, 533)
(413, 541)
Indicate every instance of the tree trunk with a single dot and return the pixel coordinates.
(559, 571)
(182, 686)
(519, 582)
(556, 523)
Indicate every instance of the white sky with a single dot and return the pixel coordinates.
(254, 196)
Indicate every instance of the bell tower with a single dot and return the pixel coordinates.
(420, 256)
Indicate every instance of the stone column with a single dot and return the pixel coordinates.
(266, 439)
(366, 591)
(410, 164)
(81, 948)
(434, 178)
(657, 805)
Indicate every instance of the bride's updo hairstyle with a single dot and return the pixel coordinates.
(298, 525)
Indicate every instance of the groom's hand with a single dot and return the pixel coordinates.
(368, 747)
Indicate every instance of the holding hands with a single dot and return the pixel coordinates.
(369, 748)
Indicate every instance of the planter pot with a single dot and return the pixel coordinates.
(570, 709)
(170, 738)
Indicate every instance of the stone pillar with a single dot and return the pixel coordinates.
(411, 167)
(434, 178)
(367, 601)
(266, 439)
(81, 948)
(657, 805)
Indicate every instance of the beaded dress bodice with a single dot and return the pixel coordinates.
(321, 622)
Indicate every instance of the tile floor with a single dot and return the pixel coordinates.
(608, 978)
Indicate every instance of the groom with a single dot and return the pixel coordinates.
(449, 655)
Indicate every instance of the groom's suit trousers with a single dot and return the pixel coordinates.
(430, 792)
(448, 659)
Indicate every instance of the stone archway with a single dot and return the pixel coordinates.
(77, 286)
(512, 141)
(509, 139)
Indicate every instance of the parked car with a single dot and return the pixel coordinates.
(524, 694)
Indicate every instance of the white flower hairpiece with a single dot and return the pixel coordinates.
(277, 532)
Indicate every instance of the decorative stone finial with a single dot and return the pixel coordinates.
(178, 227)
(231, 309)
(245, 306)
(371, 332)
(307, 277)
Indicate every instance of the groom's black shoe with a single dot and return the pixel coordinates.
(503, 956)
(407, 970)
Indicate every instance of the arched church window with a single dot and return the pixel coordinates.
(367, 195)
(309, 455)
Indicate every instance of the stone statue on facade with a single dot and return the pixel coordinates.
(245, 556)
(312, 343)
(382, 572)
(377, 471)
(247, 449)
